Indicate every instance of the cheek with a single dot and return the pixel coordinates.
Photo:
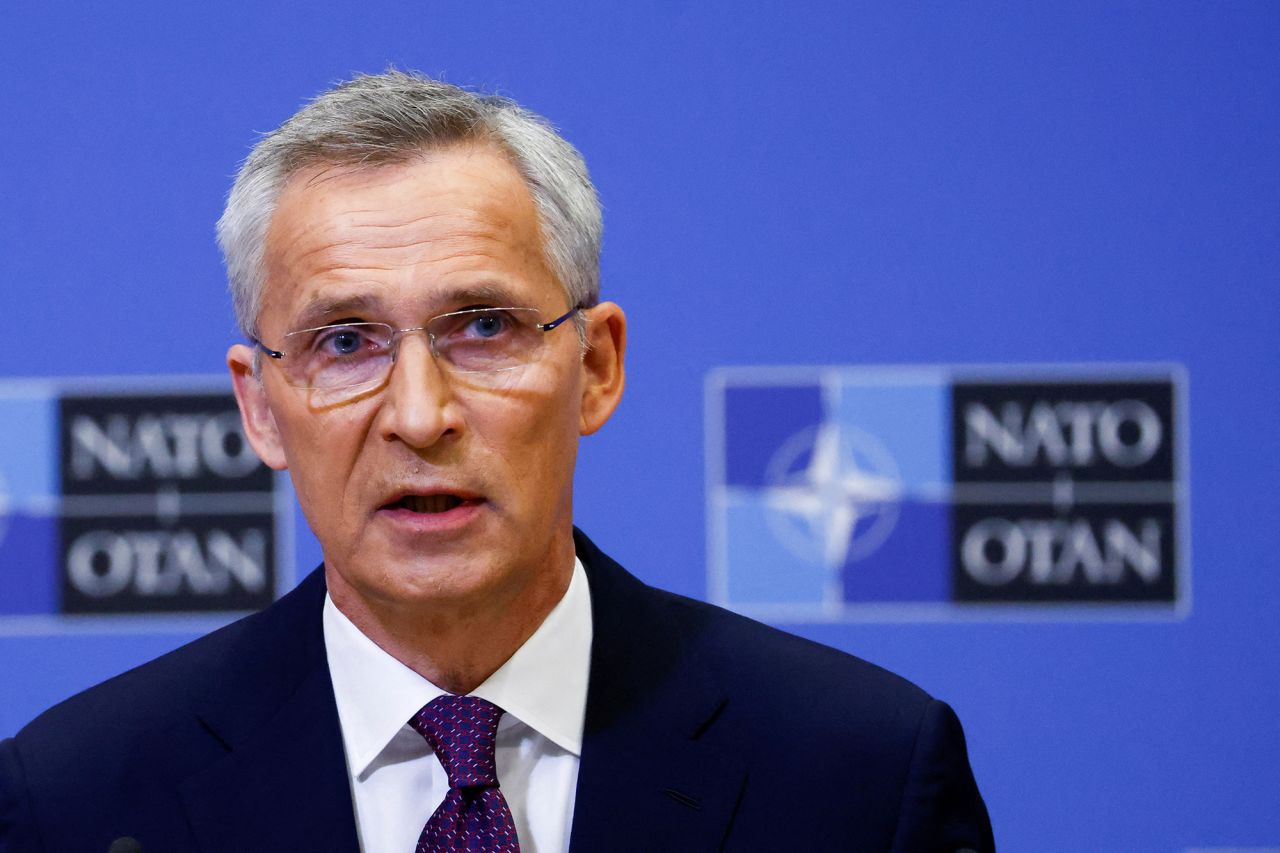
(321, 450)
(532, 441)
(552, 452)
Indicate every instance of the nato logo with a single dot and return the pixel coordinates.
(129, 497)
(870, 493)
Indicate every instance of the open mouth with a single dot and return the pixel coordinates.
(427, 504)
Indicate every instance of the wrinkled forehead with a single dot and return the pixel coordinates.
(430, 230)
(466, 179)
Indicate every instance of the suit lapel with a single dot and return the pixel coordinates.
(646, 780)
(283, 781)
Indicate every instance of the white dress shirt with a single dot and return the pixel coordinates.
(397, 782)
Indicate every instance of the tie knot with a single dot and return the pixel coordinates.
(462, 731)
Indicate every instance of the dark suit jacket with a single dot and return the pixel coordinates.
(704, 731)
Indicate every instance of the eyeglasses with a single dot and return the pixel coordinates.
(480, 341)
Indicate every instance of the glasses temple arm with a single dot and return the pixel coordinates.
(546, 327)
(268, 350)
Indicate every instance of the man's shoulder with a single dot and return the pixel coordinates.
(767, 672)
(146, 701)
(892, 760)
(151, 749)
(755, 704)
(744, 709)
(749, 652)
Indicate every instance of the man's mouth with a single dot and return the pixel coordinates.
(432, 504)
(427, 504)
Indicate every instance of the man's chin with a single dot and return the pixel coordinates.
(406, 582)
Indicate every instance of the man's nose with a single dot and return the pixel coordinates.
(418, 406)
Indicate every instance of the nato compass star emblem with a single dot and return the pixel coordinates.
(921, 493)
(827, 492)
(842, 504)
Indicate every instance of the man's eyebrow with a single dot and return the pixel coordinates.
(447, 299)
(478, 294)
(320, 312)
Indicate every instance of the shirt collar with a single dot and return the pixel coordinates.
(543, 685)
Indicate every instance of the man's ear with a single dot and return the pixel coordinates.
(602, 365)
(259, 423)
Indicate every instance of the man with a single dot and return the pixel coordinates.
(416, 268)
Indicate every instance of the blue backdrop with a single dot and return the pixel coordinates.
(784, 184)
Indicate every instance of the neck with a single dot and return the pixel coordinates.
(456, 644)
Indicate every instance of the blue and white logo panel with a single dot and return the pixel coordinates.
(848, 493)
(133, 498)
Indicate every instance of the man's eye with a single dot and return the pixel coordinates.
(340, 341)
(489, 324)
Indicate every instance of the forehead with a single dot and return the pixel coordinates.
(407, 237)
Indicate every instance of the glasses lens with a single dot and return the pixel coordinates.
(338, 356)
(486, 340)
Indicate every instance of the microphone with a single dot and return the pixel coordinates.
(127, 844)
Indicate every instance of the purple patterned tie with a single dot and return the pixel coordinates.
(474, 815)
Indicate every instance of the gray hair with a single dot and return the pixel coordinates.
(388, 118)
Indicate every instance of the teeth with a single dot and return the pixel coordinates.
(431, 503)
